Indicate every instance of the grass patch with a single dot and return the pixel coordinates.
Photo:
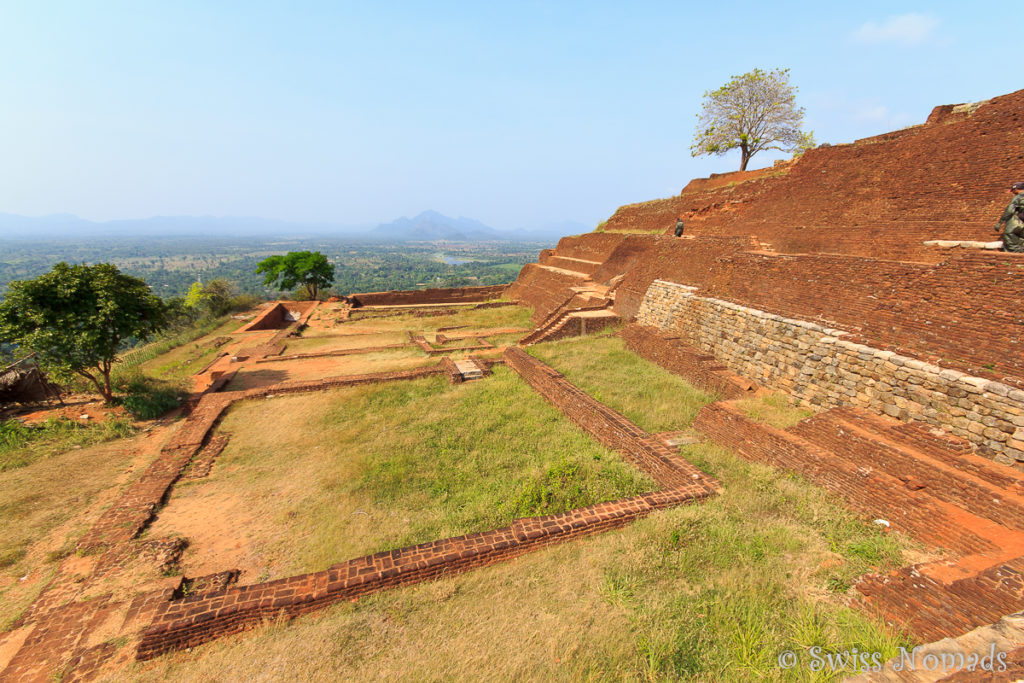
(775, 410)
(647, 394)
(21, 445)
(38, 502)
(709, 592)
(337, 475)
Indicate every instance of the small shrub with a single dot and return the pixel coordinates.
(147, 398)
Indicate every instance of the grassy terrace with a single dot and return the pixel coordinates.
(647, 394)
(330, 476)
(709, 592)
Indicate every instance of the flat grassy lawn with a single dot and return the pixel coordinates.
(335, 475)
(317, 343)
(714, 591)
(46, 506)
(652, 397)
(481, 319)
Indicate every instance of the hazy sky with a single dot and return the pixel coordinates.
(517, 113)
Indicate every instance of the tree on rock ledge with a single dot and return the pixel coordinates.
(311, 269)
(754, 112)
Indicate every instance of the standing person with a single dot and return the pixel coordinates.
(1013, 217)
(679, 227)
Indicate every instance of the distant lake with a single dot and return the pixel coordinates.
(452, 261)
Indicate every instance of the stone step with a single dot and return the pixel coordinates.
(469, 369)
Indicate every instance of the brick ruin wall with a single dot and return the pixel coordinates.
(412, 297)
(965, 310)
(192, 620)
(880, 196)
(276, 316)
(822, 366)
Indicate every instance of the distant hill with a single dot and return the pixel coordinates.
(431, 226)
(426, 227)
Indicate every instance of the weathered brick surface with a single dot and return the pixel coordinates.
(871, 492)
(818, 364)
(880, 196)
(682, 359)
(280, 315)
(427, 296)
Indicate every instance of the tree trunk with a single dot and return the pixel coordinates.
(745, 158)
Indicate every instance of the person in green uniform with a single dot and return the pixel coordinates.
(1013, 217)
(679, 227)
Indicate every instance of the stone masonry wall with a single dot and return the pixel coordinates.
(820, 365)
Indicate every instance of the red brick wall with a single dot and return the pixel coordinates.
(965, 309)
(609, 427)
(191, 621)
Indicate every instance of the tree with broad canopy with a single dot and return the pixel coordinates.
(308, 268)
(754, 112)
(77, 318)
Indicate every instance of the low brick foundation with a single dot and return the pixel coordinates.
(191, 621)
(609, 427)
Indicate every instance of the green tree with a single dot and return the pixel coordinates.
(310, 269)
(76, 319)
(214, 298)
(754, 112)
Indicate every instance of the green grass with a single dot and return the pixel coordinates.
(332, 476)
(647, 394)
(713, 591)
(776, 410)
(22, 445)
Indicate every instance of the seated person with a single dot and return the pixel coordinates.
(1013, 217)
(679, 227)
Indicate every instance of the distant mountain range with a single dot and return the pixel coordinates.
(428, 226)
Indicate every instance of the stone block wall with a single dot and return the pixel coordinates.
(821, 366)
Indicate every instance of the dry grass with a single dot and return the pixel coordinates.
(776, 410)
(652, 397)
(47, 505)
(275, 372)
(709, 592)
(332, 476)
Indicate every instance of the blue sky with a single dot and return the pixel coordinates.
(517, 114)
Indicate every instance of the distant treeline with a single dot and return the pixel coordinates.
(170, 266)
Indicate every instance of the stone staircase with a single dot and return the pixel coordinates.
(587, 310)
(469, 369)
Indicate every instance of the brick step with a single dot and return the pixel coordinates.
(844, 433)
(930, 609)
(937, 444)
